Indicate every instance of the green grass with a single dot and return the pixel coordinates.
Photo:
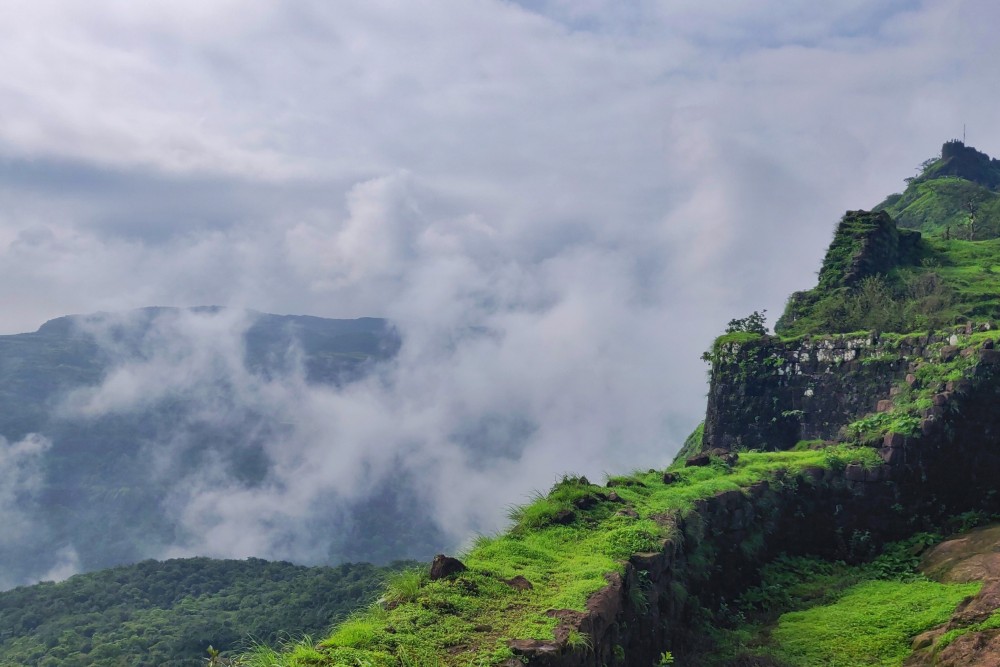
(946, 282)
(935, 205)
(872, 623)
(470, 618)
(808, 612)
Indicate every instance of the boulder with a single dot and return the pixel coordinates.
(564, 517)
(519, 583)
(445, 566)
(698, 460)
(894, 440)
(854, 472)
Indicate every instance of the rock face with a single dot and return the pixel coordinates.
(769, 394)
(974, 556)
(445, 566)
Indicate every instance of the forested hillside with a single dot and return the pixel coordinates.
(161, 614)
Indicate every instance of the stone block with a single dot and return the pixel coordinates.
(989, 357)
(949, 352)
(814, 473)
(854, 472)
(891, 455)
(894, 440)
(884, 405)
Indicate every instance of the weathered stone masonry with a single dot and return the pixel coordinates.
(770, 394)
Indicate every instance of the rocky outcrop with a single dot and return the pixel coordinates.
(974, 556)
(443, 567)
(866, 244)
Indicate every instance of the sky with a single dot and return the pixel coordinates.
(559, 203)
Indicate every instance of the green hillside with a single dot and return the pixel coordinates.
(955, 195)
(166, 614)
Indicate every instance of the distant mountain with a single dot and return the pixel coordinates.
(168, 613)
(110, 420)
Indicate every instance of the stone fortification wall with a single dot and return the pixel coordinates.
(766, 393)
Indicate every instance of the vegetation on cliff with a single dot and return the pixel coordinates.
(878, 274)
(954, 195)
(807, 611)
(563, 545)
(168, 613)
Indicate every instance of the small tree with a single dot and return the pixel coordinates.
(755, 322)
(971, 208)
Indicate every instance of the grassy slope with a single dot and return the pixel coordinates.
(937, 205)
(471, 618)
(873, 623)
(955, 281)
(836, 615)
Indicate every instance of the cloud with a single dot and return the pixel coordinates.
(22, 478)
(558, 203)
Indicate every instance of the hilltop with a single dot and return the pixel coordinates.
(923, 259)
